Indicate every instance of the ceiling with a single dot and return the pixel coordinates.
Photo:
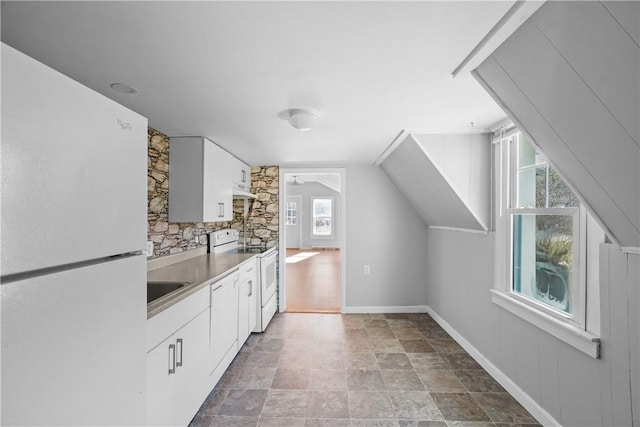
(329, 180)
(227, 70)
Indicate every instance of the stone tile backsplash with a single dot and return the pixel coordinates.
(261, 225)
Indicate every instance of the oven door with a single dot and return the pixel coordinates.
(268, 281)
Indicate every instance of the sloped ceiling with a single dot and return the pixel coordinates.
(445, 177)
(568, 78)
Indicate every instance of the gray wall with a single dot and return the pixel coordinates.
(385, 232)
(572, 387)
(308, 190)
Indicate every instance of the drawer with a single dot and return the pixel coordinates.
(162, 325)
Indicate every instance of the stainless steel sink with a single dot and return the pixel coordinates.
(157, 290)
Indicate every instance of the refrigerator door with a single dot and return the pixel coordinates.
(73, 346)
(73, 170)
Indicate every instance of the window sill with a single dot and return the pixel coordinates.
(582, 340)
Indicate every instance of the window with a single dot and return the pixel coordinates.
(291, 212)
(542, 247)
(545, 231)
(322, 208)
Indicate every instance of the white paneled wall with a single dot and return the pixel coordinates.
(563, 384)
(445, 177)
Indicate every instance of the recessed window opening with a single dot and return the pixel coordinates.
(546, 245)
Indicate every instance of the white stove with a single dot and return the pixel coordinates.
(223, 241)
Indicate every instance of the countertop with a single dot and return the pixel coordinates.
(198, 272)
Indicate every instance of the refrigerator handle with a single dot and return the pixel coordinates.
(172, 359)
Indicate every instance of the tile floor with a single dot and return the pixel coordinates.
(357, 370)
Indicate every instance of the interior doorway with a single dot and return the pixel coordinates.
(311, 270)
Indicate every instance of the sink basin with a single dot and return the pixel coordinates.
(157, 290)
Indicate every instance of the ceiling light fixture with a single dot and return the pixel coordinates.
(301, 119)
(124, 88)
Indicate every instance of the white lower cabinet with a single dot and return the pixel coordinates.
(177, 372)
(247, 301)
(224, 319)
(160, 384)
(178, 367)
(192, 368)
(192, 343)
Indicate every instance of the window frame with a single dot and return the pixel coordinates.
(288, 212)
(313, 218)
(580, 328)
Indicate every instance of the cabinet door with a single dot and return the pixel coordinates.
(192, 368)
(253, 303)
(217, 197)
(242, 174)
(243, 313)
(224, 318)
(160, 383)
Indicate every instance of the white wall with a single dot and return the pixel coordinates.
(573, 388)
(444, 177)
(305, 214)
(385, 232)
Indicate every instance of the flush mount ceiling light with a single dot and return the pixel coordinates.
(124, 88)
(301, 118)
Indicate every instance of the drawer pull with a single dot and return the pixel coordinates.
(172, 359)
(179, 352)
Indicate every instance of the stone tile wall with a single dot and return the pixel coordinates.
(261, 225)
(168, 238)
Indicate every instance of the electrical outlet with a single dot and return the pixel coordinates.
(367, 269)
(149, 248)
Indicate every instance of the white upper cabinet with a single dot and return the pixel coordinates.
(200, 181)
(242, 175)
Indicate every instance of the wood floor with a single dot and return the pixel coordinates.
(313, 281)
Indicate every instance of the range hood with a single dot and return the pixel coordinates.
(242, 192)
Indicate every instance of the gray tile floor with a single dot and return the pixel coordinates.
(357, 370)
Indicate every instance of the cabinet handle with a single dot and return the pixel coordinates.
(172, 359)
(217, 287)
(221, 210)
(244, 175)
(179, 352)
(250, 288)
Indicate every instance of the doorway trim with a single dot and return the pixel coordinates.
(282, 300)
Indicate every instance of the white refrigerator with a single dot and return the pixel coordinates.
(72, 274)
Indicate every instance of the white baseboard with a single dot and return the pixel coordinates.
(538, 412)
(385, 309)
